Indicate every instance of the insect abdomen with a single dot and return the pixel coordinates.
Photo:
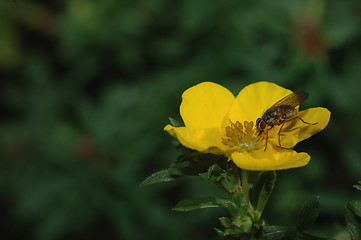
(289, 114)
(277, 115)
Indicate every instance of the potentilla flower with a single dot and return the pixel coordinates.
(216, 122)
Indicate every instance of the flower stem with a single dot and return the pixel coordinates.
(245, 187)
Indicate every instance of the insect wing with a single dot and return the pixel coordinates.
(293, 100)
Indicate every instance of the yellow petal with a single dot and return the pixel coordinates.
(206, 140)
(253, 100)
(205, 105)
(296, 131)
(271, 159)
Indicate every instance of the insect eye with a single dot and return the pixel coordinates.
(263, 125)
(260, 124)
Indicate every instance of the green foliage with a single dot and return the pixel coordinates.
(165, 175)
(173, 122)
(197, 203)
(353, 216)
(308, 214)
(245, 215)
(358, 187)
(353, 224)
(263, 189)
(244, 221)
(275, 232)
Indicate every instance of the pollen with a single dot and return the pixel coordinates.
(244, 137)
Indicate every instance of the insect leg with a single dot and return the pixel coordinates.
(305, 121)
(279, 134)
(266, 141)
(267, 137)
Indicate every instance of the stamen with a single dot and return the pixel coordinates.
(242, 136)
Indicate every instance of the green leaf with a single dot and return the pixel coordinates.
(174, 123)
(239, 199)
(226, 222)
(165, 175)
(219, 232)
(244, 224)
(229, 232)
(358, 187)
(197, 203)
(241, 204)
(353, 223)
(233, 209)
(355, 206)
(214, 170)
(263, 189)
(213, 173)
(275, 232)
(308, 213)
(204, 175)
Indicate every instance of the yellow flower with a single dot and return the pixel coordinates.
(216, 122)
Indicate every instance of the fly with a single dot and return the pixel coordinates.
(281, 112)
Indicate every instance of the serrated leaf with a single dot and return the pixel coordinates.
(354, 226)
(308, 213)
(165, 175)
(197, 203)
(275, 232)
(263, 189)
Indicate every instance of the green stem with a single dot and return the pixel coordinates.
(245, 187)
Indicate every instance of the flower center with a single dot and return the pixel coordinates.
(242, 136)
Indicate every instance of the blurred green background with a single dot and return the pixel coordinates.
(87, 87)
